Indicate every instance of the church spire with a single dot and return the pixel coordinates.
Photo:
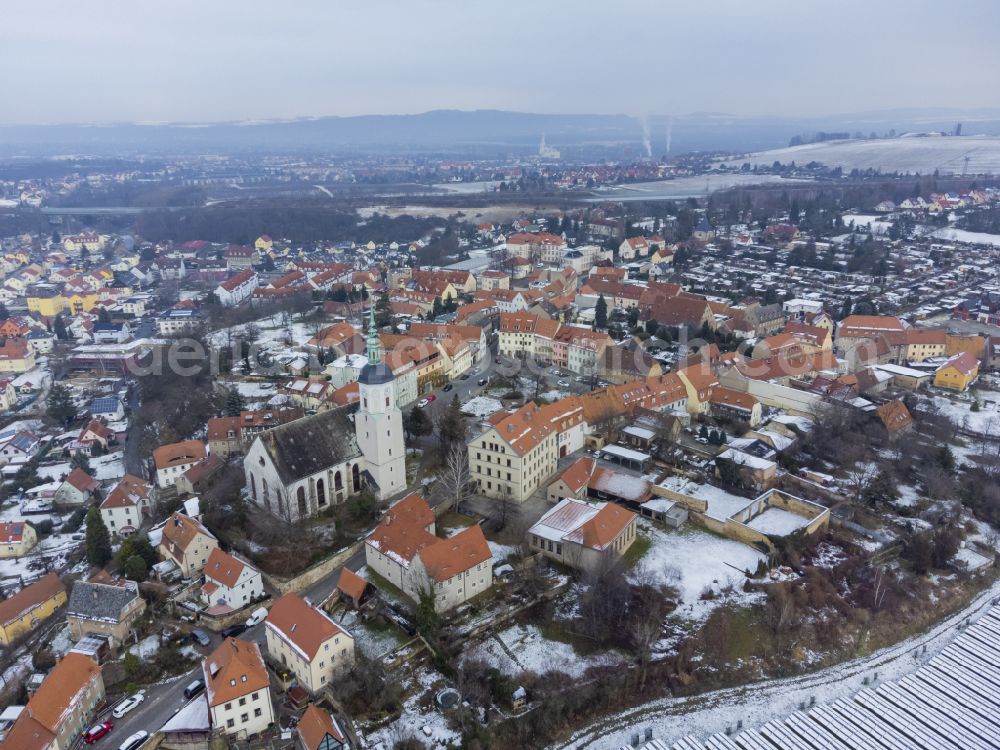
(374, 345)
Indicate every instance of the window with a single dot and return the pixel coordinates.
(243, 701)
(230, 723)
(244, 718)
(256, 712)
(229, 706)
(255, 696)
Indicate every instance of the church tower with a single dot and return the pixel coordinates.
(379, 422)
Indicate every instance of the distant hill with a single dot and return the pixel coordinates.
(927, 154)
(472, 133)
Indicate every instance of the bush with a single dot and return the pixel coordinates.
(43, 528)
(75, 521)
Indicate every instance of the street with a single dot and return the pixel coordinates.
(162, 701)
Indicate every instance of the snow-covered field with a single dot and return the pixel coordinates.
(924, 155)
(984, 421)
(693, 560)
(108, 468)
(873, 224)
(963, 235)
(523, 648)
(702, 715)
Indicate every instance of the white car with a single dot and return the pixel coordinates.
(257, 616)
(422, 403)
(134, 741)
(128, 704)
(563, 384)
(578, 378)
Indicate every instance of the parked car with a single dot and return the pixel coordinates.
(422, 403)
(201, 637)
(234, 630)
(432, 397)
(257, 616)
(563, 384)
(173, 635)
(128, 704)
(194, 688)
(482, 381)
(448, 387)
(465, 376)
(578, 378)
(97, 731)
(135, 740)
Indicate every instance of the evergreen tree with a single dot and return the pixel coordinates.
(451, 424)
(846, 309)
(103, 316)
(601, 314)
(135, 568)
(60, 328)
(234, 403)
(4, 314)
(417, 423)
(98, 540)
(703, 432)
(59, 404)
(946, 459)
(82, 462)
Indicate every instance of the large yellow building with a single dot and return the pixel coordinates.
(30, 606)
(957, 373)
(82, 302)
(46, 301)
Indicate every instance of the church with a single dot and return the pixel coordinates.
(298, 469)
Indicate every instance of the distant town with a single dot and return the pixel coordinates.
(404, 452)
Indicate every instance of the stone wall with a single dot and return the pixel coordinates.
(311, 575)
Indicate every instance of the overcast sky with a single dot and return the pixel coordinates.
(201, 60)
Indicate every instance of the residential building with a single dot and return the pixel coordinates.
(127, 504)
(178, 321)
(104, 610)
(238, 688)
(187, 543)
(76, 489)
(16, 355)
(61, 708)
(404, 550)
(17, 538)
(32, 605)
(735, 406)
(319, 730)
(174, 459)
(583, 535)
(230, 582)
(305, 640)
(957, 373)
(238, 288)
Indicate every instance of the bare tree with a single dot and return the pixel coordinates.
(505, 508)
(456, 478)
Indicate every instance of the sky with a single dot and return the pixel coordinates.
(209, 60)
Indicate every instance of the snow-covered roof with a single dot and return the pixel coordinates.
(626, 453)
(193, 717)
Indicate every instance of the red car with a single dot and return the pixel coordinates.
(97, 731)
(432, 397)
